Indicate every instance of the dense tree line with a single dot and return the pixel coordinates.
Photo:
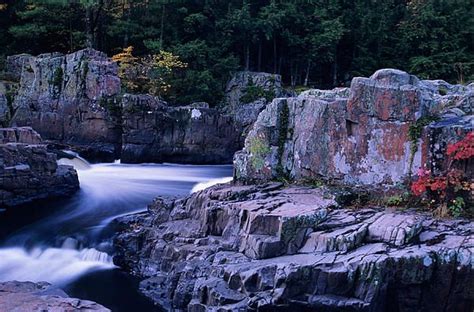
(322, 43)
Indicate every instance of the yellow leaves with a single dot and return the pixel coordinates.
(167, 60)
(149, 73)
(3, 6)
(126, 56)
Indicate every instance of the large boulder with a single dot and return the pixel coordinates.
(269, 248)
(155, 132)
(359, 135)
(28, 296)
(70, 99)
(28, 172)
(247, 94)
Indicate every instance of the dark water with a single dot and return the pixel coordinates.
(67, 243)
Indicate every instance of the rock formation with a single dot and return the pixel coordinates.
(155, 132)
(75, 100)
(270, 248)
(28, 172)
(248, 93)
(28, 296)
(70, 99)
(359, 135)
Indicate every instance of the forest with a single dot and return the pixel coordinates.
(311, 43)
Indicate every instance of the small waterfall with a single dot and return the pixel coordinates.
(55, 265)
(204, 185)
(74, 240)
(76, 161)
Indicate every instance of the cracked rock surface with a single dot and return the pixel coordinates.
(275, 248)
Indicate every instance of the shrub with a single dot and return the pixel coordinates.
(447, 192)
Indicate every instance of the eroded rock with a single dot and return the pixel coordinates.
(268, 247)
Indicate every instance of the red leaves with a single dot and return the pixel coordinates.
(454, 178)
(463, 149)
(435, 184)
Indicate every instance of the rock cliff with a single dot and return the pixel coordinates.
(75, 100)
(70, 99)
(156, 132)
(271, 248)
(28, 172)
(28, 296)
(360, 135)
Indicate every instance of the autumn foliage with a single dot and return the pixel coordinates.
(450, 189)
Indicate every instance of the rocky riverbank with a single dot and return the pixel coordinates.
(276, 248)
(29, 172)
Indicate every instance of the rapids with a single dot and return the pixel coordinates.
(74, 240)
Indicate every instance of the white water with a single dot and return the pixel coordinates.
(66, 245)
(204, 185)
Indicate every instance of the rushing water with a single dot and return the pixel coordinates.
(69, 245)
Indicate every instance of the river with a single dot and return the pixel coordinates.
(68, 242)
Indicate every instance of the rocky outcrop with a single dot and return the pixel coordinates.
(28, 172)
(269, 248)
(28, 296)
(155, 132)
(247, 94)
(359, 135)
(70, 99)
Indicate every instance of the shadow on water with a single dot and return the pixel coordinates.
(68, 242)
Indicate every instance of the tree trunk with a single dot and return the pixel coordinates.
(306, 78)
(162, 26)
(334, 73)
(247, 57)
(259, 65)
(89, 32)
(280, 62)
(275, 60)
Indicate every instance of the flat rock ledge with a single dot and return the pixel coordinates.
(28, 296)
(275, 248)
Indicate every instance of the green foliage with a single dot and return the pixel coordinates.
(456, 206)
(259, 149)
(57, 80)
(310, 43)
(253, 93)
(395, 200)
